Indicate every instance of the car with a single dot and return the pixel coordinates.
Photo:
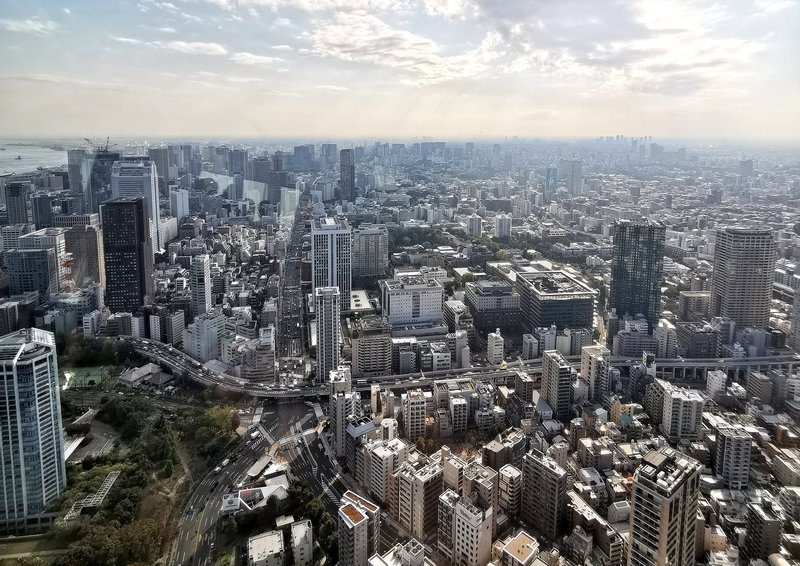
(225, 462)
(218, 469)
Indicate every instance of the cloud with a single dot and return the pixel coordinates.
(367, 39)
(197, 47)
(128, 40)
(256, 60)
(31, 25)
(282, 47)
(168, 30)
(67, 11)
(333, 88)
(282, 23)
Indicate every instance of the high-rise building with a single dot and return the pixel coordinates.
(412, 300)
(550, 184)
(128, 253)
(17, 196)
(465, 530)
(50, 238)
(732, 461)
(331, 257)
(415, 497)
(373, 514)
(342, 404)
(84, 242)
(510, 484)
(414, 414)
(353, 535)
(160, 158)
(664, 510)
(74, 164)
(474, 225)
(637, 270)
(595, 369)
(494, 348)
(370, 250)
(34, 473)
(42, 211)
(502, 226)
(96, 177)
(557, 375)
(764, 529)
(179, 203)
(327, 307)
(136, 177)
(32, 270)
(544, 494)
(746, 169)
(682, 414)
(744, 265)
(200, 281)
(203, 337)
(347, 174)
(572, 171)
(371, 341)
(555, 297)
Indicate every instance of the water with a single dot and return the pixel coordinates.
(33, 156)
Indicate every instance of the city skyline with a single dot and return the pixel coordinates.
(268, 68)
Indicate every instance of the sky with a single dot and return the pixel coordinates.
(446, 69)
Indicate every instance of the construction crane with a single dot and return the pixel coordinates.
(100, 148)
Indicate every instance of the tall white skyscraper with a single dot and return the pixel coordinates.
(179, 203)
(474, 225)
(342, 403)
(32, 455)
(572, 171)
(137, 177)
(328, 311)
(502, 226)
(201, 284)
(331, 257)
(664, 501)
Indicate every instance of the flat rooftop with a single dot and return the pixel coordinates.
(555, 283)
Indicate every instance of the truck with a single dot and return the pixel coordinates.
(255, 434)
(225, 462)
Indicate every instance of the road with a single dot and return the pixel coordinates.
(201, 521)
(291, 313)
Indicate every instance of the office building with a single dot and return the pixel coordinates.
(732, 460)
(557, 375)
(32, 458)
(331, 257)
(74, 165)
(32, 270)
(17, 196)
(179, 203)
(414, 411)
(554, 297)
(664, 505)
(160, 157)
(637, 270)
(84, 242)
(137, 177)
(347, 174)
(544, 494)
(464, 530)
(200, 282)
(203, 338)
(371, 342)
(327, 306)
(745, 169)
(744, 265)
(474, 225)
(571, 170)
(412, 300)
(494, 348)
(96, 177)
(10, 235)
(502, 227)
(128, 253)
(493, 304)
(55, 239)
(42, 211)
(342, 403)
(370, 250)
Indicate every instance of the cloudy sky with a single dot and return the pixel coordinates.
(401, 68)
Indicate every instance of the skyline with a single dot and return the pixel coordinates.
(415, 68)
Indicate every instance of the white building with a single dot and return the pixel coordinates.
(178, 203)
(715, 382)
(470, 530)
(266, 549)
(302, 535)
(510, 481)
(331, 257)
(137, 177)
(494, 348)
(414, 414)
(474, 225)
(412, 300)
(595, 369)
(33, 446)
(530, 347)
(203, 338)
(682, 414)
(572, 171)
(502, 226)
(343, 403)
(50, 238)
(732, 462)
(353, 535)
(327, 306)
(200, 282)
(557, 374)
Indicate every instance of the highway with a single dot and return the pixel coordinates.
(201, 521)
(291, 314)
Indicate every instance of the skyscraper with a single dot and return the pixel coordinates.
(347, 174)
(544, 494)
(331, 257)
(664, 509)
(32, 270)
(179, 203)
(30, 425)
(370, 250)
(550, 184)
(96, 177)
(160, 158)
(744, 265)
(732, 461)
(572, 171)
(557, 374)
(502, 226)
(42, 211)
(327, 308)
(637, 270)
(341, 404)
(50, 238)
(128, 253)
(74, 164)
(137, 177)
(17, 197)
(84, 241)
(201, 284)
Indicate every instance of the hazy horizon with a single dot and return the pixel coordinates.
(413, 69)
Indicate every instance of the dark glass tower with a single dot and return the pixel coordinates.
(347, 174)
(96, 176)
(128, 253)
(637, 270)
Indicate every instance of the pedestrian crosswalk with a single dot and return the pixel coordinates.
(330, 496)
